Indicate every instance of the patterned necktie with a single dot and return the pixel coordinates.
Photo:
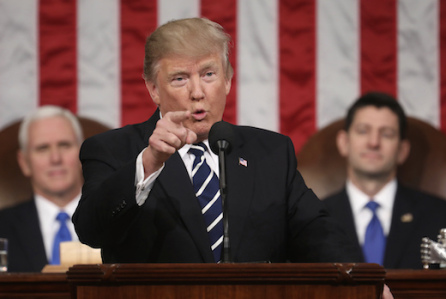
(207, 190)
(375, 241)
(62, 235)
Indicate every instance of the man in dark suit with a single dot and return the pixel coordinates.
(138, 202)
(49, 139)
(374, 144)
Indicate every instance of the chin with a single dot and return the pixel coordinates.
(202, 130)
(375, 174)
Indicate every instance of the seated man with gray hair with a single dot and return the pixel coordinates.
(49, 138)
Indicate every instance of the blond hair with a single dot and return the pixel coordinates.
(193, 37)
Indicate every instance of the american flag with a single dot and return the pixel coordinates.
(243, 162)
(298, 63)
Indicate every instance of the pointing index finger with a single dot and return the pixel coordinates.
(178, 116)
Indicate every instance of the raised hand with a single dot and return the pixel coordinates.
(169, 135)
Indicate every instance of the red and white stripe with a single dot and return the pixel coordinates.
(299, 64)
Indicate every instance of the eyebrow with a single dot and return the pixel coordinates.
(209, 64)
(176, 73)
(205, 66)
(58, 143)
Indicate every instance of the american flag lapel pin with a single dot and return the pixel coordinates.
(243, 162)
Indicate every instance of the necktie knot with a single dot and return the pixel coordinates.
(198, 149)
(372, 205)
(62, 217)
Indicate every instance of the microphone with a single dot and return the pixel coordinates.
(221, 136)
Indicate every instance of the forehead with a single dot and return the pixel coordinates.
(376, 117)
(50, 129)
(174, 63)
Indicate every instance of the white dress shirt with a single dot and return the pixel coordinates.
(47, 212)
(143, 187)
(362, 215)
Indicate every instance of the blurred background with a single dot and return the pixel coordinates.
(298, 63)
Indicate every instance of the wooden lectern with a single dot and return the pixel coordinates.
(235, 281)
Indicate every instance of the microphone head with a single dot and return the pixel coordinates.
(221, 136)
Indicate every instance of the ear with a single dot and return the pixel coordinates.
(342, 142)
(23, 163)
(403, 151)
(153, 91)
(228, 86)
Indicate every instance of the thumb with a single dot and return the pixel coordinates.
(191, 136)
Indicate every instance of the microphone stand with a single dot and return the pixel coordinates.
(222, 146)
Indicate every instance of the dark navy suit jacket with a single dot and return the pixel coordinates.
(415, 215)
(273, 216)
(20, 225)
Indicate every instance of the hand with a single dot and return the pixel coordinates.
(386, 293)
(169, 135)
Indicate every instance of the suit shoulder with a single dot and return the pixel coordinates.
(334, 199)
(11, 214)
(335, 196)
(130, 139)
(258, 131)
(25, 205)
(118, 133)
(263, 136)
(423, 197)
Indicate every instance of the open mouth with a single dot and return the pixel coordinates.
(199, 114)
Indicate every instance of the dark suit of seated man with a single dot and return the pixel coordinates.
(138, 202)
(374, 144)
(49, 138)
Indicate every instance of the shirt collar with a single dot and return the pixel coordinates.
(185, 149)
(51, 208)
(384, 197)
(211, 158)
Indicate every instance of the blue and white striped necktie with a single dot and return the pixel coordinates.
(207, 189)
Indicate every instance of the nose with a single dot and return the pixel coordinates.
(55, 155)
(374, 139)
(196, 89)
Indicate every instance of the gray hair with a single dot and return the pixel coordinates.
(191, 37)
(47, 112)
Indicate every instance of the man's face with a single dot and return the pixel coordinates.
(372, 145)
(198, 85)
(51, 159)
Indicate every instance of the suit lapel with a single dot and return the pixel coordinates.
(240, 189)
(347, 216)
(30, 236)
(403, 222)
(343, 210)
(175, 180)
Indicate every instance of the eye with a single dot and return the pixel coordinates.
(41, 149)
(361, 130)
(388, 134)
(209, 76)
(65, 144)
(178, 80)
